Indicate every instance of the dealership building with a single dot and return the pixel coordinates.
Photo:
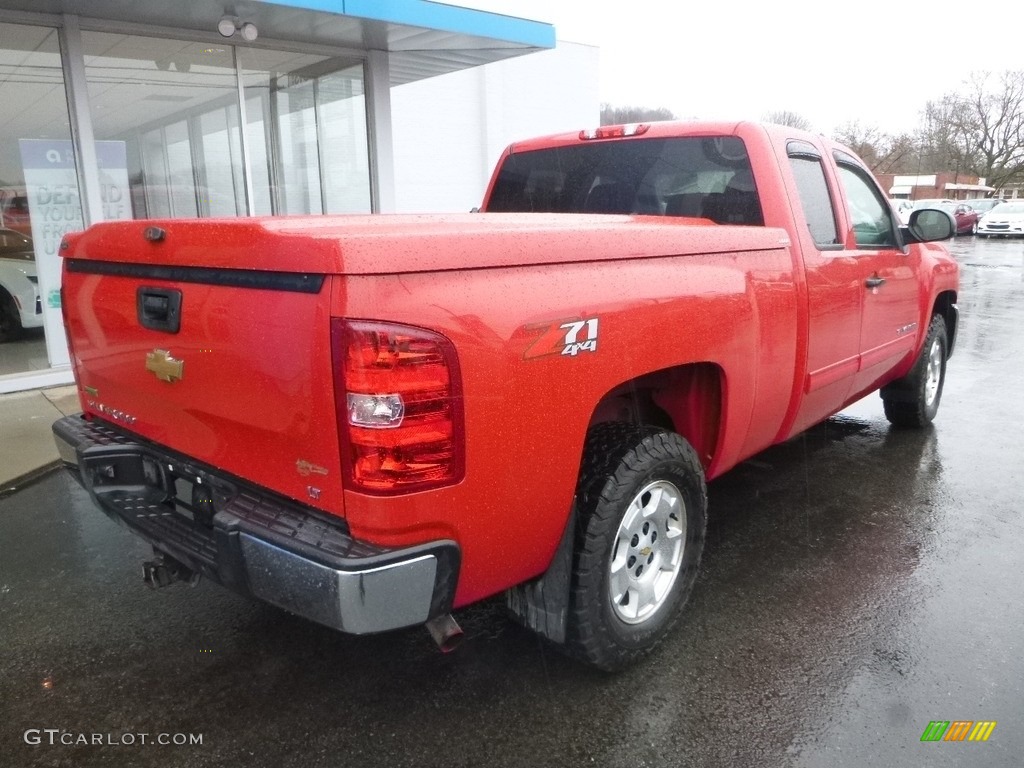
(193, 108)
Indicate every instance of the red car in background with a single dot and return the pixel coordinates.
(14, 213)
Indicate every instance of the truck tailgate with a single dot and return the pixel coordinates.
(228, 365)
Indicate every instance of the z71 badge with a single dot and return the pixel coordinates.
(568, 338)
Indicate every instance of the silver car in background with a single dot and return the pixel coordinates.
(985, 204)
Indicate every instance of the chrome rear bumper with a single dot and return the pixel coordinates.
(254, 541)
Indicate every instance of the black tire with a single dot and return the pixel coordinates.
(10, 321)
(914, 400)
(650, 479)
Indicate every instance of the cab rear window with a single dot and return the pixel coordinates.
(701, 177)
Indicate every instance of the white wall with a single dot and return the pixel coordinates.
(449, 131)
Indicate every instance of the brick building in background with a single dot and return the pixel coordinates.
(952, 186)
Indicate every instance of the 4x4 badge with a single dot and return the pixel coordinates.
(164, 367)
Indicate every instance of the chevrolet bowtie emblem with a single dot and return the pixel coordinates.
(163, 366)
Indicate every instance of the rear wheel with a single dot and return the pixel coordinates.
(642, 509)
(913, 401)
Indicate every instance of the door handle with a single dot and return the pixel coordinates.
(874, 282)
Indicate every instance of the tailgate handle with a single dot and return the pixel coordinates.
(159, 308)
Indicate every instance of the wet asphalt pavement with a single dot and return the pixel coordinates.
(858, 582)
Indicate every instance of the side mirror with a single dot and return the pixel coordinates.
(930, 224)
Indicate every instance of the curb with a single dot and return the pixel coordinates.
(20, 482)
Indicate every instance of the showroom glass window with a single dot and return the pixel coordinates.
(306, 126)
(167, 116)
(39, 197)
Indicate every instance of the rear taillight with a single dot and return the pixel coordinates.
(399, 401)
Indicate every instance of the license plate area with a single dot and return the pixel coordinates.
(193, 499)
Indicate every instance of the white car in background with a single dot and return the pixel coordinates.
(1006, 219)
(20, 304)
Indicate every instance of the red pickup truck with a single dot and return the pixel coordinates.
(371, 421)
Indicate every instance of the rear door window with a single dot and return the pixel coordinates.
(815, 199)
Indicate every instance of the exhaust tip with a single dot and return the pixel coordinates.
(446, 632)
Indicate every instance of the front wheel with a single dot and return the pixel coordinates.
(642, 506)
(913, 401)
(10, 320)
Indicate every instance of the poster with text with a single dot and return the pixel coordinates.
(55, 208)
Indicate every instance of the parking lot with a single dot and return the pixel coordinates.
(858, 583)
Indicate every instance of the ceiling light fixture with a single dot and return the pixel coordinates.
(229, 25)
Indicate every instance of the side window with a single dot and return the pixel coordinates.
(815, 199)
(869, 213)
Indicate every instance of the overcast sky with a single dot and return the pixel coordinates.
(878, 61)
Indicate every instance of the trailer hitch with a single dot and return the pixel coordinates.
(163, 570)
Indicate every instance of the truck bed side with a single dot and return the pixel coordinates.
(528, 406)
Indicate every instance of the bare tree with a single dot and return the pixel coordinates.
(611, 115)
(882, 152)
(980, 129)
(791, 119)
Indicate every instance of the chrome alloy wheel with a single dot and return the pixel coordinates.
(934, 373)
(648, 552)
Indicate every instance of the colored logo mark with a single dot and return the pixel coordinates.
(958, 730)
